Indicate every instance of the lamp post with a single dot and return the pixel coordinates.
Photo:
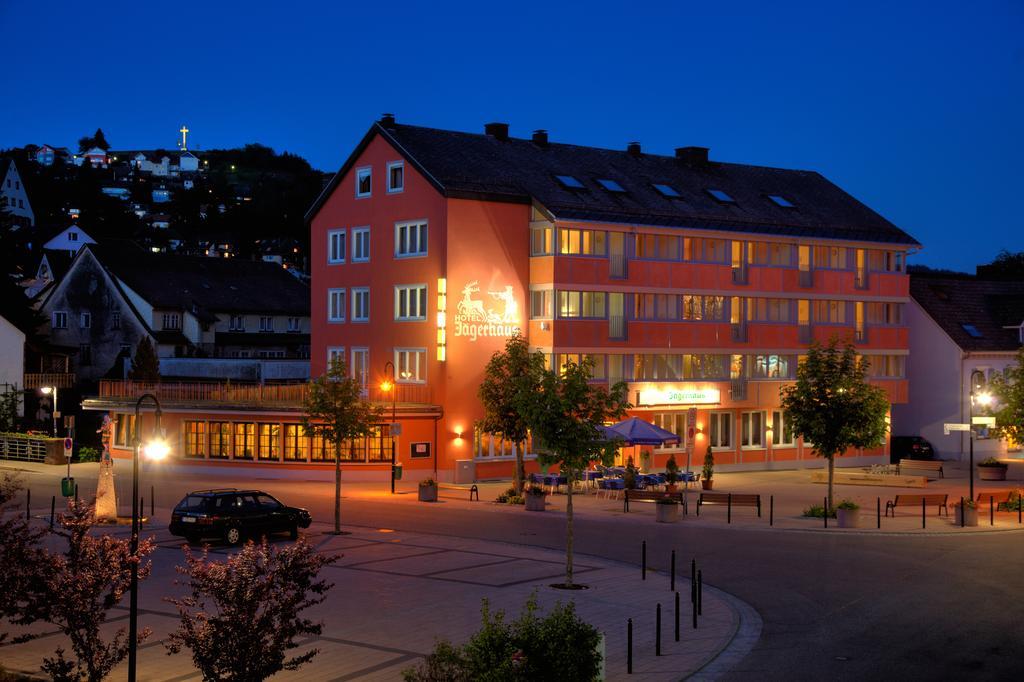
(47, 390)
(389, 386)
(983, 398)
(154, 449)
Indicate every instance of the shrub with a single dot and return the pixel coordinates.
(848, 504)
(427, 483)
(559, 646)
(671, 469)
(709, 465)
(1015, 503)
(990, 462)
(501, 499)
(87, 454)
(517, 499)
(535, 490)
(817, 511)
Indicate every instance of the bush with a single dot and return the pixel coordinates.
(848, 504)
(708, 470)
(1015, 503)
(817, 511)
(990, 462)
(535, 490)
(559, 646)
(517, 499)
(427, 483)
(671, 469)
(87, 454)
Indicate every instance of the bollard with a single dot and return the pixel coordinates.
(923, 515)
(1020, 504)
(693, 607)
(700, 593)
(991, 510)
(643, 560)
(693, 581)
(677, 616)
(878, 511)
(825, 506)
(771, 510)
(76, 493)
(657, 631)
(142, 508)
(728, 508)
(629, 646)
(28, 504)
(963, 515)
(152, 502)
(672, 580)
(53, 509)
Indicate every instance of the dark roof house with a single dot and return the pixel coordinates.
(979, 315)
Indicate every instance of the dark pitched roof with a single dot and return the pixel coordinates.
(987, 306)
(208, 285)
(520, 170)
(59, 260)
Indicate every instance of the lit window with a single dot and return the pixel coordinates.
(611, 185)
(336, 246)
(781, 200)
(396, 177)
(666, 190)
(410, 365)
(721, 196)
(363, 185)
(410, 239)
(569, 181)
(335, 305)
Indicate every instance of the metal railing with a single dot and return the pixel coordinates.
(255, 394)
(22, 448)
(58, 379)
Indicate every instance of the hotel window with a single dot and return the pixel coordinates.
(597, 363)
(541, 239)
(360, 244)
(220, 440)
(379, 442)
(655, 307)
(540, 303)
(657, 246)
(833, 257)
(361, 366)
(720, 429)
(115, 319)
(245, 440)
(236, 323)
(336, 246)
(618, 368)
(752, 429)
(124, 430)
(411, 365)
(60, 320)
(335, 353)
(884, 313)
(410, 239)
(657, 366)
(768, 309)
(782, 432)
(411, 302)
(85, 320)
(396, 177)
(674, 422)
(266, 324)
(321, 450)
(582, 242)
(335, 305)
(360, 304)
(710, 308)
(770, 253)
(705, 366)
(269, 446)
(195, 439)
(294, 324)
(704, 250)
(363, 182)
(770, 366)
(573, 304)
(830, 312)
(886, 366)
(296, 444)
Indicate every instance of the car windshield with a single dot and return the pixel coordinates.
(268, 502)
(193, 503)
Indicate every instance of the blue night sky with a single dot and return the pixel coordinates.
(914, 108)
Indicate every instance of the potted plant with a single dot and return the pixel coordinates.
(847, 514)
(967, 515)
(671, 474)
(992, 469)
(666, 510)
(428, 490)
(708, 471)
(536, 498)
(629, 475)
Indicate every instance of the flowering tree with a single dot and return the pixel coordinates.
(243, 614)
(1008, 389)
(82, 585)
(22, 589)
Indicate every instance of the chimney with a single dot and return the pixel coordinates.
(692, 155)
(499, 131)
(387, 120)
(633, 148)
(540, 138)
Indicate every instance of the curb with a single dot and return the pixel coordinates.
(746, 635)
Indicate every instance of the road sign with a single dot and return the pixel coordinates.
(68, 444)
(691, 417)
(946, 428)
(984, 421)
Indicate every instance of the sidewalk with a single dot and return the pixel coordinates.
(397, 592)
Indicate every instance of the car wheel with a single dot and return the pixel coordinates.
(293, 532)
(233, 535)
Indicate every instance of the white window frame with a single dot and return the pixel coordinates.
(420, 376)
(173, 321)
(358, 232)
(391, 189)
(730, 419)
(778, 431)
(85, 320)
(331, 293)
(760, 442)
(294, 324)
(269, 326)
(59, 315)
(236, 323)
(364, 378)
(421, 244)
(335, 238)
(332, 352)
(408, 288)
(115, 319)
(356, 293)
(361, 172)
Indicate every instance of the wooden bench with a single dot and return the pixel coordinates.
(998, 497)
(650, 496)
(474, 492)
(730, 500)
(922, 465)
(917, 501)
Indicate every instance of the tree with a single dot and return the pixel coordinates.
(10, 400)
(833, 406)
(82, 585)
(97, 139)
(22, 586)
(334, 409)
(242, 615)
(145, 364)
(1008, 407)
(564, 416)
(511, 380)
(1006, 266)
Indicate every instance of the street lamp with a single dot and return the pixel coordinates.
(47, 390)
(983, 398)
(389, 386)
(155, 449)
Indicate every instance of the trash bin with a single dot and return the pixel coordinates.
(67, 487)
(398, 470)
(465, 472)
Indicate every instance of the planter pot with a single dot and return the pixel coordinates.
(991, 473)
(970, 516)
(671, 488)
(847, 518)
(666, 513)
(535, 502)
(707, 484)
(428, 493)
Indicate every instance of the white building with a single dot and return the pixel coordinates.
(963, 330)
(13, 194)
(12, 358)
(71, 239)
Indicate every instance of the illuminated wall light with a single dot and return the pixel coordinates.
(442, 318)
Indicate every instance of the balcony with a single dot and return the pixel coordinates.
(252, 395)
(57, 379)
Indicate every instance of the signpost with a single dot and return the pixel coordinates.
(948, 428)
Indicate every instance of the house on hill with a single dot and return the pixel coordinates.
(47, 154)
(13, 195)
(69, 239)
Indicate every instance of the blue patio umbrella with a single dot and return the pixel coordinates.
(636, 431)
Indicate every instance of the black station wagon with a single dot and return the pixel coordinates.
(230, 515)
